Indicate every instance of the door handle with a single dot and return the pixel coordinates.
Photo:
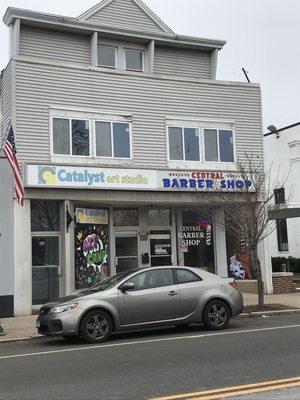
(173, 293)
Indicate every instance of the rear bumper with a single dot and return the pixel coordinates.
(237, 303)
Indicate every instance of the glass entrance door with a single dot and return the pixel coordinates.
(45, 269)
(161, 247)
(126, 250)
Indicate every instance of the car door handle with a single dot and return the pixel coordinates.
(173, 293)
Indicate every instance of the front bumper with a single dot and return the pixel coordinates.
(63, 324)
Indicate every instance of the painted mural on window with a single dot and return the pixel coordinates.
(91, 247)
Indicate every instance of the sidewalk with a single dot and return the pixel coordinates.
(21, 328)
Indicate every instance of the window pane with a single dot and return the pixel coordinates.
(185, 276)
(282, 235)
(226, 146)
(107, 56)
(158, 278)
(103, 139)
(45, 216)
(211, 145)
(61, 136)
(138, 280)
(159, 217)
(175, 144)
(121, 140)
(134, 59)
(45, 251)
(80, 138)
(126, 217)
(279, 195)
(191, 142)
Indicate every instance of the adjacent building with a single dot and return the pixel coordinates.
(282, 159)
(124, 135)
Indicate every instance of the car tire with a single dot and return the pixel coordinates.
(96, 327)
(216, 315)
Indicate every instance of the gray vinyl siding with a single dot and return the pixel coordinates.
(124, 13)
(147, 98)
(6, 99)
(55, 45)
(188, 63)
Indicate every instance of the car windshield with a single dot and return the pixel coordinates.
(108, 283)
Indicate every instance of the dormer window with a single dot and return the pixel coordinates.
(107, 56)
(134, 60)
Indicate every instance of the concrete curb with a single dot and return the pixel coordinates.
(269, 313)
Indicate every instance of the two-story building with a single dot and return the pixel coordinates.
(124, 135)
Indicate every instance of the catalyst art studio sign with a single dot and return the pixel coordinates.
(77, 177)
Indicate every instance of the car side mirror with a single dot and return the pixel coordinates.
(127, 286)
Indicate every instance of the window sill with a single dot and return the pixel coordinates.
(205, 166)
(93, 161)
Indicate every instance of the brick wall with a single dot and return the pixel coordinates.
(283, 282)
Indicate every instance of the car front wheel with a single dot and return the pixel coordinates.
(216, 315)
(96, 326)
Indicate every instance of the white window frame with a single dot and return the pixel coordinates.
(218, 144)
(116, 55)
(143, 59)
(70, 137)
(201, 124)
(112, 139)
(182, 127)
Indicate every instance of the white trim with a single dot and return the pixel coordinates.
(94, 49)
(87, 112)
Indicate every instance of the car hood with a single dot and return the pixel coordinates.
(70, 298)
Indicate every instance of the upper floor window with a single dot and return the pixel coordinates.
(279, 195)
(107, 56)
(112, 139)
(134, 59)
(184, 144)
(71, 137)
(218, 145)
(91, 138)
(191, 144)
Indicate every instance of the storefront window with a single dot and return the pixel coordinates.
(161, 248)
(238, 260)
(45, 216)
(91, 247)
(159, 217)
(126, 217)
(196, 242)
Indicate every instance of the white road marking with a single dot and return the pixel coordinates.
(169, 339)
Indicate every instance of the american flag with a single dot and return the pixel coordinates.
(10, 151)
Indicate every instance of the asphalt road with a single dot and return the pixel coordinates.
(144, 365)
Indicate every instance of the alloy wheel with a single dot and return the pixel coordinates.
(217, 314)
(97, 326)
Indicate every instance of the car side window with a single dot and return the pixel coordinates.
(138, 280)
(158, 278)
(152, 279)
(186, 276)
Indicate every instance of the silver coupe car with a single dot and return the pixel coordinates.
(143, 298)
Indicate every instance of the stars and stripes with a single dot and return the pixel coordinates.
(10, 151)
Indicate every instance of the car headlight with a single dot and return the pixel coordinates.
(66, 307)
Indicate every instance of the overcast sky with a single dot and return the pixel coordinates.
(262, 36)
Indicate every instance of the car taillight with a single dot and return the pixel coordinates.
(234, 285)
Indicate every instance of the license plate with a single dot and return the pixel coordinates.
(38, 323)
